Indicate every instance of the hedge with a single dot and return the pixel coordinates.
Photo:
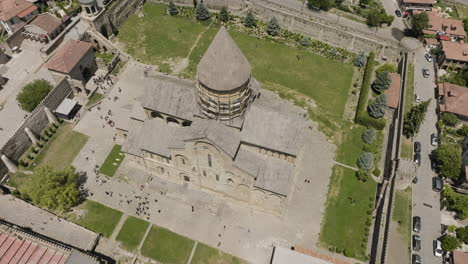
(362, 116)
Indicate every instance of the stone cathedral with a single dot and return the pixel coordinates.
(222, 134)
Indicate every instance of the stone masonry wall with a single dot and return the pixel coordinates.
(36, 122)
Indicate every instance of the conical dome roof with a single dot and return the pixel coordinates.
(223, 67)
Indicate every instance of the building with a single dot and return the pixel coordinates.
(422, 5)
(15, 13)
(453, 99)
(283, 255)
(453, 54)
(223, 134)
(459, 257)
(74, 60)
(444, 28)
(43, 28)
(393, 92)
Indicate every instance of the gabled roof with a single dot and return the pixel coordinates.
(12, 8)
(46, 22)
(455, 99)
(223, 67)
(68, 56)
(455, 50)
(393, 92)
(438, 24)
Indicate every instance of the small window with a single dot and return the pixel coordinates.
(204, 173)
(183, 161)
(209, 160)
(186, 178)
(217, 177)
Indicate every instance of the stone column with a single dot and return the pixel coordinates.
(10, 165)
(31, 135)
(50, 116)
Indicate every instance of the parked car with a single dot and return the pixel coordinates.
(416, 259)
(417, 159)
(437, 184)
(426, 73)
(416, 242)
(434, 139)
(398, 13)
(417, 147)
(417, 99)
(428, 57)
(438, 248)
(416, 224)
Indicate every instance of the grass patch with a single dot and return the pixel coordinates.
(105, 56)
(94, 98)
(167, 247)
(207, 255)
(402, 214)
(99, 218)
(407, 143)
(112, 162)
(351, 145)
(347, 211)
(18, 179)
(62, 148)
(462, 10)
(132, 232)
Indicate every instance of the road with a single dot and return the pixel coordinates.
(426, 202)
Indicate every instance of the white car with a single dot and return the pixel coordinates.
(417, 99)
(428, 57)
(426, 73)
(434, 139)
(438, 249)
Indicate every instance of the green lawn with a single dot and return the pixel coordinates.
(167, 247)
(462, 10)
(113, 161)
(94, 98)
(351, 145)
(348, 204)
(207, 255)
(99, 218)
(60, 151)
(132, 232)
(155, 37)
(18, 179)
(105, 56)
(402, 213)
(407, 143)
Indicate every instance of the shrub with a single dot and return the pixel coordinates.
(366, 161)
(386, 67)
(456, 202)
(201, 12)
(449, 119)
(305, 41)
(378, 106)
(414, 118)
(273, 27)
(463, 131)
(451, 228)
(450, 243)
(173, 11)
(224, 15)
(349, 253)
(376, 172)
(382, 82)
(250, 20)
(369, 135)
(447, 158)
(360, 60)
(362, 175)
(32, 94)
(366, 120)
(462, 234)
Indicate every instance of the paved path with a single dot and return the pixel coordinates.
(346, 166)
(118, 226)
(193, 252)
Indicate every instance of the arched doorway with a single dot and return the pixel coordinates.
(171, 120)
(156, 115)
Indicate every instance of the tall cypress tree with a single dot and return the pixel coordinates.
(201, 12)
(273, 28)
(250, 20)
(224, 15)
(173, 9)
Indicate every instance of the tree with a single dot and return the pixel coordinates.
(366, 161)
(364, 3)
(320, 4)
(362, 175)
(463, 131)
(377, 107)
(201, 12)
(382, 82)
(53, 189)
(448, 160)
(377, 16)
(369, 135)
(420, 21)
(273, 28)
(250, 20)
(173, 11)
(449, 119)
(465, 24)
(32, 94)
(462, 234)
(360, 60)
(456, 202)
(450, 243)
(305, 41)
(224, 15)
(414, 118)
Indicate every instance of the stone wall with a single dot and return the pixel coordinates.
(16, 39)
(19, 142)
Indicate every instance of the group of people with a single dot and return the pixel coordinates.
(102, 81)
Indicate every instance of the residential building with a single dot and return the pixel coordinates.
(422, 5)
(453, 54)
(453, 99)
(459, 257)
(444, 28)
(223, 134)
(393, 92)
(16, 13)
(74, 60)
(43, 28)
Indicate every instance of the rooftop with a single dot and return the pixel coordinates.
(428, 2)
(393, 92)
(223, 67)
(12, 8)
(68, 56)
(46, 22)
(455, 50)
(66, 106)
(460, 257)
(455, 99)
(438, 24)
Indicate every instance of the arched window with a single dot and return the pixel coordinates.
(217, 177)
(186, 123)
(229, 181)
(172, 120)
(186, 178)
(156, 115)
(209, 161)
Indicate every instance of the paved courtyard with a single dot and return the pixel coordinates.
(228, 225)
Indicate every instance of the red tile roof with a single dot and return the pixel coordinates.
(68, 56)
(455, 99)
(393, 92)
(460, 257)
(27, 11)
(439, 24)
(455, 50)
(46, 22)
(12, 8)
(16, 250)
(431, 41)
